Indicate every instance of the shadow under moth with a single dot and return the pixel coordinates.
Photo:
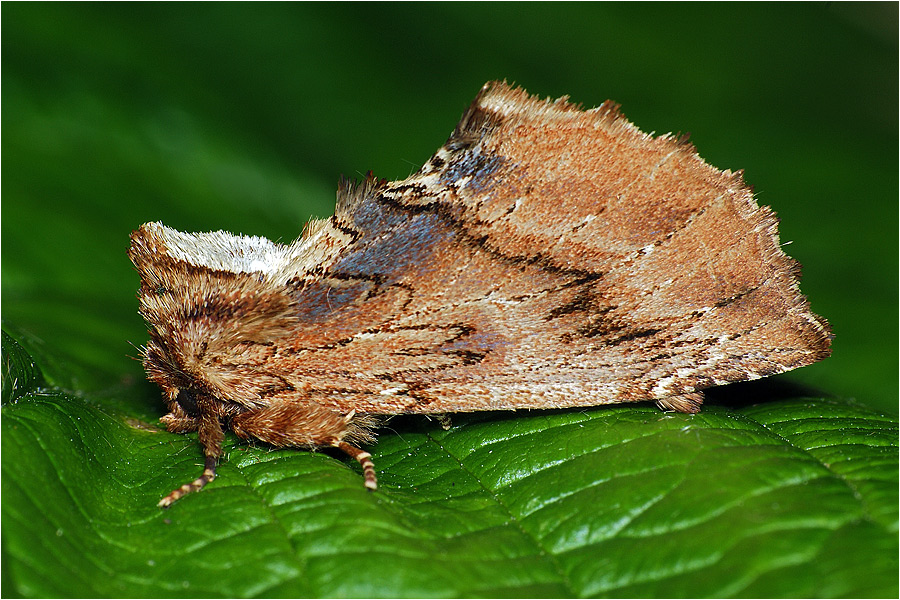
(544, 257)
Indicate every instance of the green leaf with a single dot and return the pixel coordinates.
(20, 373)
(784, 499)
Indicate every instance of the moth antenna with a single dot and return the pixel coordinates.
(209, 473)
(365, 460)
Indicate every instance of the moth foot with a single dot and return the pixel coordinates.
(209, 473)
(365, 460)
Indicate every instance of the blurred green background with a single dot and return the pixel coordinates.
(242, 117)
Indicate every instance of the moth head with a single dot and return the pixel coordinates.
(215, 304)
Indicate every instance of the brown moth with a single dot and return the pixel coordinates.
(544, 257)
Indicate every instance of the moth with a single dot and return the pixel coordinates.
(545, 257)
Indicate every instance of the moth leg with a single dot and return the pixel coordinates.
(365, 461)
(180, 423)
(309, 425)
(443, 420)
(686, 403)
(211, 436)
